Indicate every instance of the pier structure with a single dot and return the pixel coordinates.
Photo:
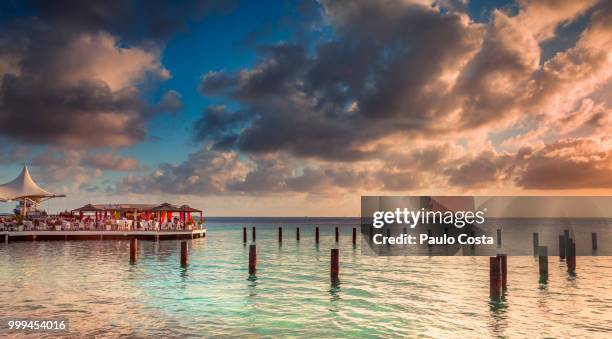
(20, 236)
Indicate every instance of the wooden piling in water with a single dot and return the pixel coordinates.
(354, 236)
(561, 247)
(594, 241)
(571, 258)
(335, 265)
(536, 243)
(244, 235)
(495, 278)
(297, 234)
(280, 234)
(252, 259)
(504, 271)
(133, 249)
(568, 242)
(337, 234)
(499, 238)
(184, 253)
(316, 235)
(254, 236)
(543, 263)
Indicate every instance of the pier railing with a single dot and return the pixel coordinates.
(117, 225)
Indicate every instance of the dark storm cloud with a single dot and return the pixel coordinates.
(387, 100)
(401, 67)
(133, 20)
(73, 73)
(67, 115)
(217, 124)
(377, 76)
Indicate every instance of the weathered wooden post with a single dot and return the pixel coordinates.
(280, 234)
(252, 259)
(594, 241)
(354, 236)
(133, 249)
(184, 253)
(254, 237)
(499, 238)
(297, 234)
(334, 266)
(568, 242)
(536, 243)
(543, 263)
(571, 259)
(337, 234)
(317, 235)
(561, 247)
(244, 235)
(504, 271)
(495, 278)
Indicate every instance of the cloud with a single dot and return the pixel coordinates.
(404, 68)
(203, 173)
(111, 161)
(481, 170)
(542, 17)
(409, 71)
(78, 77)
(69, 169)
(568, 164)
(379, 75)
(156, 21)
(77, 90)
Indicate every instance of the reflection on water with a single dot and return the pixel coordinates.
(335, 298)
(93, 285)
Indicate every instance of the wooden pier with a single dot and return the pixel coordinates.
(16, 236)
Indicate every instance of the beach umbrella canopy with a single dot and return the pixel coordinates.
(24, 187)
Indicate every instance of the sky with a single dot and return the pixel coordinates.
(297, 108)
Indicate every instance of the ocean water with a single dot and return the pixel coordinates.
(92, 284)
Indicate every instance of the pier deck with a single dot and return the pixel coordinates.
(13, 236)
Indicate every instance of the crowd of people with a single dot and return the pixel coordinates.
(69, 223)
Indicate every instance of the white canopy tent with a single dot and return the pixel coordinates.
(24, 189)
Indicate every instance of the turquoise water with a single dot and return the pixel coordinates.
(93, 285)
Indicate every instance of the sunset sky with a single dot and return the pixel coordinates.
(295, 108)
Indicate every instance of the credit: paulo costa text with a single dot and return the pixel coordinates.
(425, 239)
